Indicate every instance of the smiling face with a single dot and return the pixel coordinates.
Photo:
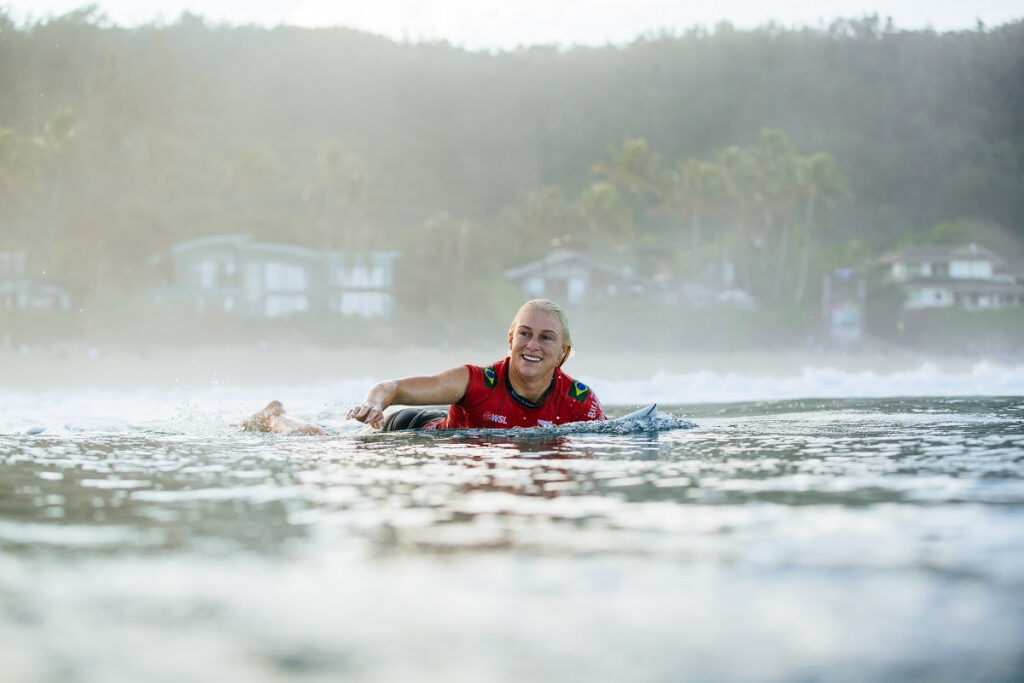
(536, 345)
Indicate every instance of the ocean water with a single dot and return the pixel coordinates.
(829, 526)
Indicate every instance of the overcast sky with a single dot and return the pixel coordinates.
(507, 23)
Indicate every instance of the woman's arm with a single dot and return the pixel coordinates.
(446, 387)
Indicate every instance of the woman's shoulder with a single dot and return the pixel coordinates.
(483, 378)
(578, 398)
(491, 373)
(573, 387)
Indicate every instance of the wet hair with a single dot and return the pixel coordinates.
(554, 309)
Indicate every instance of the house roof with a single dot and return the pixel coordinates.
(238, 242)
(210, 241)
(939, 253)
(561, 258)
(278, 248)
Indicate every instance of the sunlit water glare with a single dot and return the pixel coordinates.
(142, 537)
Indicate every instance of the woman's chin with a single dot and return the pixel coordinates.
(529, 370)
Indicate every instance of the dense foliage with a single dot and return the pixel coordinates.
(787, 151)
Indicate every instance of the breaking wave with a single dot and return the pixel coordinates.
(218, 408)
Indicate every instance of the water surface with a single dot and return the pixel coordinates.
(824, 539)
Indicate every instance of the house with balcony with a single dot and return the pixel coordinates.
(239, 276)
(941, 276)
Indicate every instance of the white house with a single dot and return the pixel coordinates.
(937, 276)
(240, 276)
(573, 278)
(19, 291)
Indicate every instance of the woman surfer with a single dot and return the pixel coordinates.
(527, 388)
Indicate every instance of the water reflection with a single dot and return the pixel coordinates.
(893, 527)
(419, 490)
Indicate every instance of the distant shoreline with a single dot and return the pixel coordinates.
(79, 366)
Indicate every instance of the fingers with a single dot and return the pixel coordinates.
(369, 413)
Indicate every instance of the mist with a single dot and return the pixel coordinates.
(192, 184)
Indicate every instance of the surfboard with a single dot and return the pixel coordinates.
(646, 413)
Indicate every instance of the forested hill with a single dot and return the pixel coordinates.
(195, 128)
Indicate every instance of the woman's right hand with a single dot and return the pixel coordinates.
(369, 413)
(378, 398)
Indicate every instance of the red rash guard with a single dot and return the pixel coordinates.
(489, 404)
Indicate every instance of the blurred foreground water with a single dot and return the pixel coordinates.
(824, 539)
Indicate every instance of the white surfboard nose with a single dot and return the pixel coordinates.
(644, 413)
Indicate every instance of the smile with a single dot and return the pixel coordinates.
(532, 359)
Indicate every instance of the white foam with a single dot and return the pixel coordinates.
(218, 407)
(928, 379)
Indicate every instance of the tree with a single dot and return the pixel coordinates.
(543, 219)
(337, 196)
(58, 144)
(776, 196)
(634, 167)
(251, 179)
(605, 214)
(694, 190)
(819, 184)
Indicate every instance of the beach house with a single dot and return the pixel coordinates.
(20, 291)
(969, 276)
(575, 278)
(239, 276)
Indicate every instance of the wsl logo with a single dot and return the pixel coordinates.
(579, 391)
(500, 419)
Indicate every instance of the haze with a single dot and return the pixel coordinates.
(849, 187)
(489, 24)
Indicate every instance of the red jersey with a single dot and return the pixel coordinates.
(489, 402)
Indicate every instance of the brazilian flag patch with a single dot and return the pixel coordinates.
(579, 391)
(490, 377)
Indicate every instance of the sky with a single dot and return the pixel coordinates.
(503, 24)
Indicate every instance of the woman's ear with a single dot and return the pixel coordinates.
(565, 355)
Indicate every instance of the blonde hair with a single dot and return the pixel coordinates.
(552, 308)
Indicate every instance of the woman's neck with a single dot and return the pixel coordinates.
(534, 391)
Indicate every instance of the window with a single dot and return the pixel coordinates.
(283, 277)
(973, 270)
(207, 274)
(577, 288)
(285, 304)
(367, 304)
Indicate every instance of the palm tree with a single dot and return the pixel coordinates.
(777, 164)
(604, 212)
(337, 195)
(8, 152)
(820, 183)
(58, 144)
(449, 254)
(695, 190)
(544, 218)
(740, 207)
(634, 167)
(248, 178)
